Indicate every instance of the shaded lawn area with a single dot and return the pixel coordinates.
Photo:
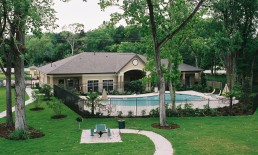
(3, 97)
(197, 135)
(2, 76)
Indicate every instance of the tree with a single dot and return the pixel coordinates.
(8, 59)
(40, 50)
(70, 33)
(238, 25)
(8, 56)
(24, 16)
(92, 100)
(135, 12)
(99, 40)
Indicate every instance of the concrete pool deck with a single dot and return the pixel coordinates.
(213, 100)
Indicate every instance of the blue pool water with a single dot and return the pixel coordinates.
(152, 100)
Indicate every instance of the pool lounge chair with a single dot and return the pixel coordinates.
(210, 93)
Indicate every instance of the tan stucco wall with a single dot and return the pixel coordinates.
(34, 73)
(100, 78)
(129, 66)
(42, 78)
(65, 77)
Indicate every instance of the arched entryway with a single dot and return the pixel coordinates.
(132, 75)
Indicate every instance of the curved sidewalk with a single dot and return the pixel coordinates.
(30, 100)
(162, 145)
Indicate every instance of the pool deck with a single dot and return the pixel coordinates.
(213, 100)
(189, 92)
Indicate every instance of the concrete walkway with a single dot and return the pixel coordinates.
(30, 100)
(162, 145)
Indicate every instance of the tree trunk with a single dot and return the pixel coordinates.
(20, 117)
(230, 104)
(162, 110)
(157, 46)
(196, 61)
(19, 48)
(92, 108)
(7, 73)
(171, 89)
(230, 65)
(252, 73)
(172, 96)
(9, 116)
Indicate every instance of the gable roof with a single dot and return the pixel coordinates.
(187, 68)
(183, 67)
(89, 62)
(99, 63)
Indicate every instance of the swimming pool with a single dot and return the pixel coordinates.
(152, 100)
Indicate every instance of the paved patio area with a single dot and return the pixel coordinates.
(87, 138)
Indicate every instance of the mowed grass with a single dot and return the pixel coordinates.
(197, 135)
(3, 98)
(2, 76)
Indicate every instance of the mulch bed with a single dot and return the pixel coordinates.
(5, 132)
(37, 109)
(168, 127)
(237, 110)
(58, 116)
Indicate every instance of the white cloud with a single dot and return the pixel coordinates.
(77, 11)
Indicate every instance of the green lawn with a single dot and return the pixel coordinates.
(197, 135)
(2, 98)
(2, 76)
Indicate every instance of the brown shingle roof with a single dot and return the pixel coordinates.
(89, 62)
(98, 62)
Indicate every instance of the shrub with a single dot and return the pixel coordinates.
(46, 90)
(57, 106)
(206, 110)
(36, 100)
(135, 87)
(98, 114)
(130, 113)
(86, 113)
(189, 111)
(114, 92)
(37, 86)
(143, 112)
(19, 135)
(74, 92)
(119, 113)
(154, 112)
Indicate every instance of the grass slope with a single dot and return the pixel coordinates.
(63, 137)
(3, 97)
(197, 135)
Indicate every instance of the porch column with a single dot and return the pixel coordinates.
(148, 86)
(121, 82)
(84, 84)
(183, 78)
(51, 80)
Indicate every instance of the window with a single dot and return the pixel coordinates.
(61, 81)
(70, 83)
(108, 85)
(93, 85)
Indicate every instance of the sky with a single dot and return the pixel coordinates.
(77, 11)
